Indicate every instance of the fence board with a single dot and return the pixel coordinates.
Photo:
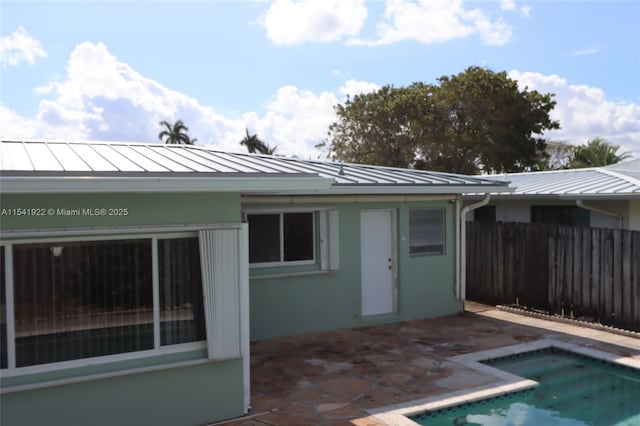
(627, 290)
(584, 271)
(584, 308)
(595, 273)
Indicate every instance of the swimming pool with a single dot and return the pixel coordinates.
(573, 390)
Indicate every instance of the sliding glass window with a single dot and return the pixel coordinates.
(85, 299)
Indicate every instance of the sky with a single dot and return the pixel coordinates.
(111, 70)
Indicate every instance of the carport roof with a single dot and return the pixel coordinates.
(64, 162)
(617, 181)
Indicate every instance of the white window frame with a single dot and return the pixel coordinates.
(13, 370)
(281, 214)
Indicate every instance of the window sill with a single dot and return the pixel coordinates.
(98, 376)
(102, 360)
(291, 274)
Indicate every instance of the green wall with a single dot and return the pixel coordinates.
(142, 209)
(191, 395)
(187, 395)
(298, 304)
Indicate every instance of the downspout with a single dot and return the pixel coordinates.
(461, 288)
(618, 216)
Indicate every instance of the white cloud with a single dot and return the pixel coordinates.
(588, 51)
(435, 21)
(510, 5)
(102, 98)
(20, 47)
(584, 112)
(354, 87)
(15, 126)
(291, 22)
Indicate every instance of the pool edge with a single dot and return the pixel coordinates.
(398, 414)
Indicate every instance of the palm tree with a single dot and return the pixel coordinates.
(176, 134)
(596, 153)
(254, 144)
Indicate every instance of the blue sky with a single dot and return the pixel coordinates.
(110, 70)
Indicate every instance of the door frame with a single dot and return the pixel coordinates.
(393, 225)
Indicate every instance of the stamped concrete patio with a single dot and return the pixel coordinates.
(332, 378)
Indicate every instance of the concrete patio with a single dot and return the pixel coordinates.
(332, 378)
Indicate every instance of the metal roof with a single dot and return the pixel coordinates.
(616, 181)
(133, 160)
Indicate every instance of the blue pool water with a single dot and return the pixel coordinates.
(574, 391)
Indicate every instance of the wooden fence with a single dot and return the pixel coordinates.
(579, 272)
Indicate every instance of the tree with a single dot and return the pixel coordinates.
(597, 152)
(475, 121)
(557, 156)
(175, 134)
(381, 127)
(254, 144)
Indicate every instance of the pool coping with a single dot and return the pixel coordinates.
(397, 414)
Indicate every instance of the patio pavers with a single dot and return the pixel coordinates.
(333, 377)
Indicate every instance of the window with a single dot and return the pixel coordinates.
(560, 215)
(281, 237)
(84, 299)
(485, 214)
(3, 313)
(426, 231)
(180, 281)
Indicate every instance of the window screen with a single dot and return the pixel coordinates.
(281, 237)
(82, 299)
(86, 299)
(426, 229)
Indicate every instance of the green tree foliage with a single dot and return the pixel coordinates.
(256, 145)
(475, 121)
(557, 155)
(380, 128)
(597, 152)
(175, 134)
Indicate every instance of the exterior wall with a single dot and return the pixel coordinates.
(519, 210)
(634, 215)
(141, 209)
(192, 395)
(319, 300)
(167, 388)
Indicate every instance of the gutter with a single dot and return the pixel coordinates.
(192, 182)
(461, 287)
(617, 215)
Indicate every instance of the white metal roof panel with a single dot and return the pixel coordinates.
(114, 157)
(42, 158)
(117, 159)
(209, 160)
(68, 158)
(132, 153)
(162, 158)
(96, 162)
(14, 157)
(574, 183)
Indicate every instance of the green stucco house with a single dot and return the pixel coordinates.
(134, 276)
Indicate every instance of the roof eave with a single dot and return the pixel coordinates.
(253, 184)
(405, 189)
(568, 197)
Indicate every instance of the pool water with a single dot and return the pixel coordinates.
(574, 390)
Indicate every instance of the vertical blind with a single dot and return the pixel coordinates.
(85, 299)
(82, 299)
(181, 310)
(3, 312)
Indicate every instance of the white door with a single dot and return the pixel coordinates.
(377, 260)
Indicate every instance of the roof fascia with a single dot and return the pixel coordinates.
(406, 189)
(567, 197)
(61, 185)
